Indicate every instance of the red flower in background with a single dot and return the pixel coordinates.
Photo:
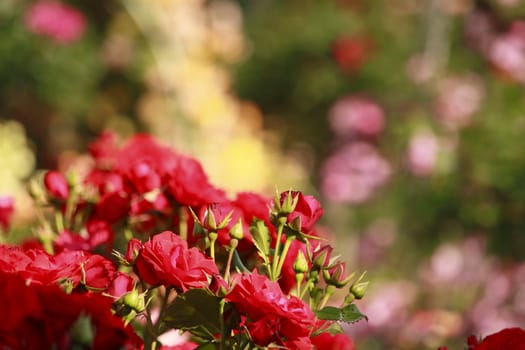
(165, 259)
(351, 52)
(57, 21)
(6, 211)
(506, 339)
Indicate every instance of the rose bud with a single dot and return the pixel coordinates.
(56, 185)
(300, 265)
(321, 256)
(134, 300)
(358, 288)
(336, 276)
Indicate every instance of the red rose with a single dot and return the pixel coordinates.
(104, 150)
(165, 259)
(38, 267)
(120, 285)
(6, 211)
(44, 317)
(112, 206)
(506, 339)
(253, 206)
(98, 233)
(307, 210)
(272, 315)
(351, 52)
(56, 185)
(327, 341)
(145, 163)
(189, 184)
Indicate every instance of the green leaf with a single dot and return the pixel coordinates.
(349, 313)
(261, 238)
(206, 346)
(352, 314)
(239, 265)
(196, 311)
(333, 328)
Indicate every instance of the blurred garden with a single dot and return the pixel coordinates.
(406, 119)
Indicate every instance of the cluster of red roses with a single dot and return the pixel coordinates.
(142, 244)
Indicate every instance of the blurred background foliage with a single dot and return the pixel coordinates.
(406, 118)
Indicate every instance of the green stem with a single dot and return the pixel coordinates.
(233, 245)
(183, 223)
(275, 260)
(70, 208)
(282, 258)
(221, 321)
(307, 287)
(213, 238)
(298, 281)
(328, 293)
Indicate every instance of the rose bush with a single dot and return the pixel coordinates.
(140, 244)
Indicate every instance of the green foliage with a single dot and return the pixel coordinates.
(196, 311)
(348, 314)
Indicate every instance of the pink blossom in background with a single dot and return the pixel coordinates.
(6, 211)
(422, 153)
(353, 173)
(356, 114)
(459, 97)
(57, 21)
(479, 30)
(507, 52)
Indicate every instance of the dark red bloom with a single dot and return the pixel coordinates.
(165, 259)
(44, 317)
(351, 52)
(506, 339)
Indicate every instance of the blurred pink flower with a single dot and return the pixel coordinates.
(375, 241)
(356, 114)
(479, 30)
(459, 97)
(422, 153)
(353, 172)
(6, 211)
(57, 21)
(507, 52)
(387, 305)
